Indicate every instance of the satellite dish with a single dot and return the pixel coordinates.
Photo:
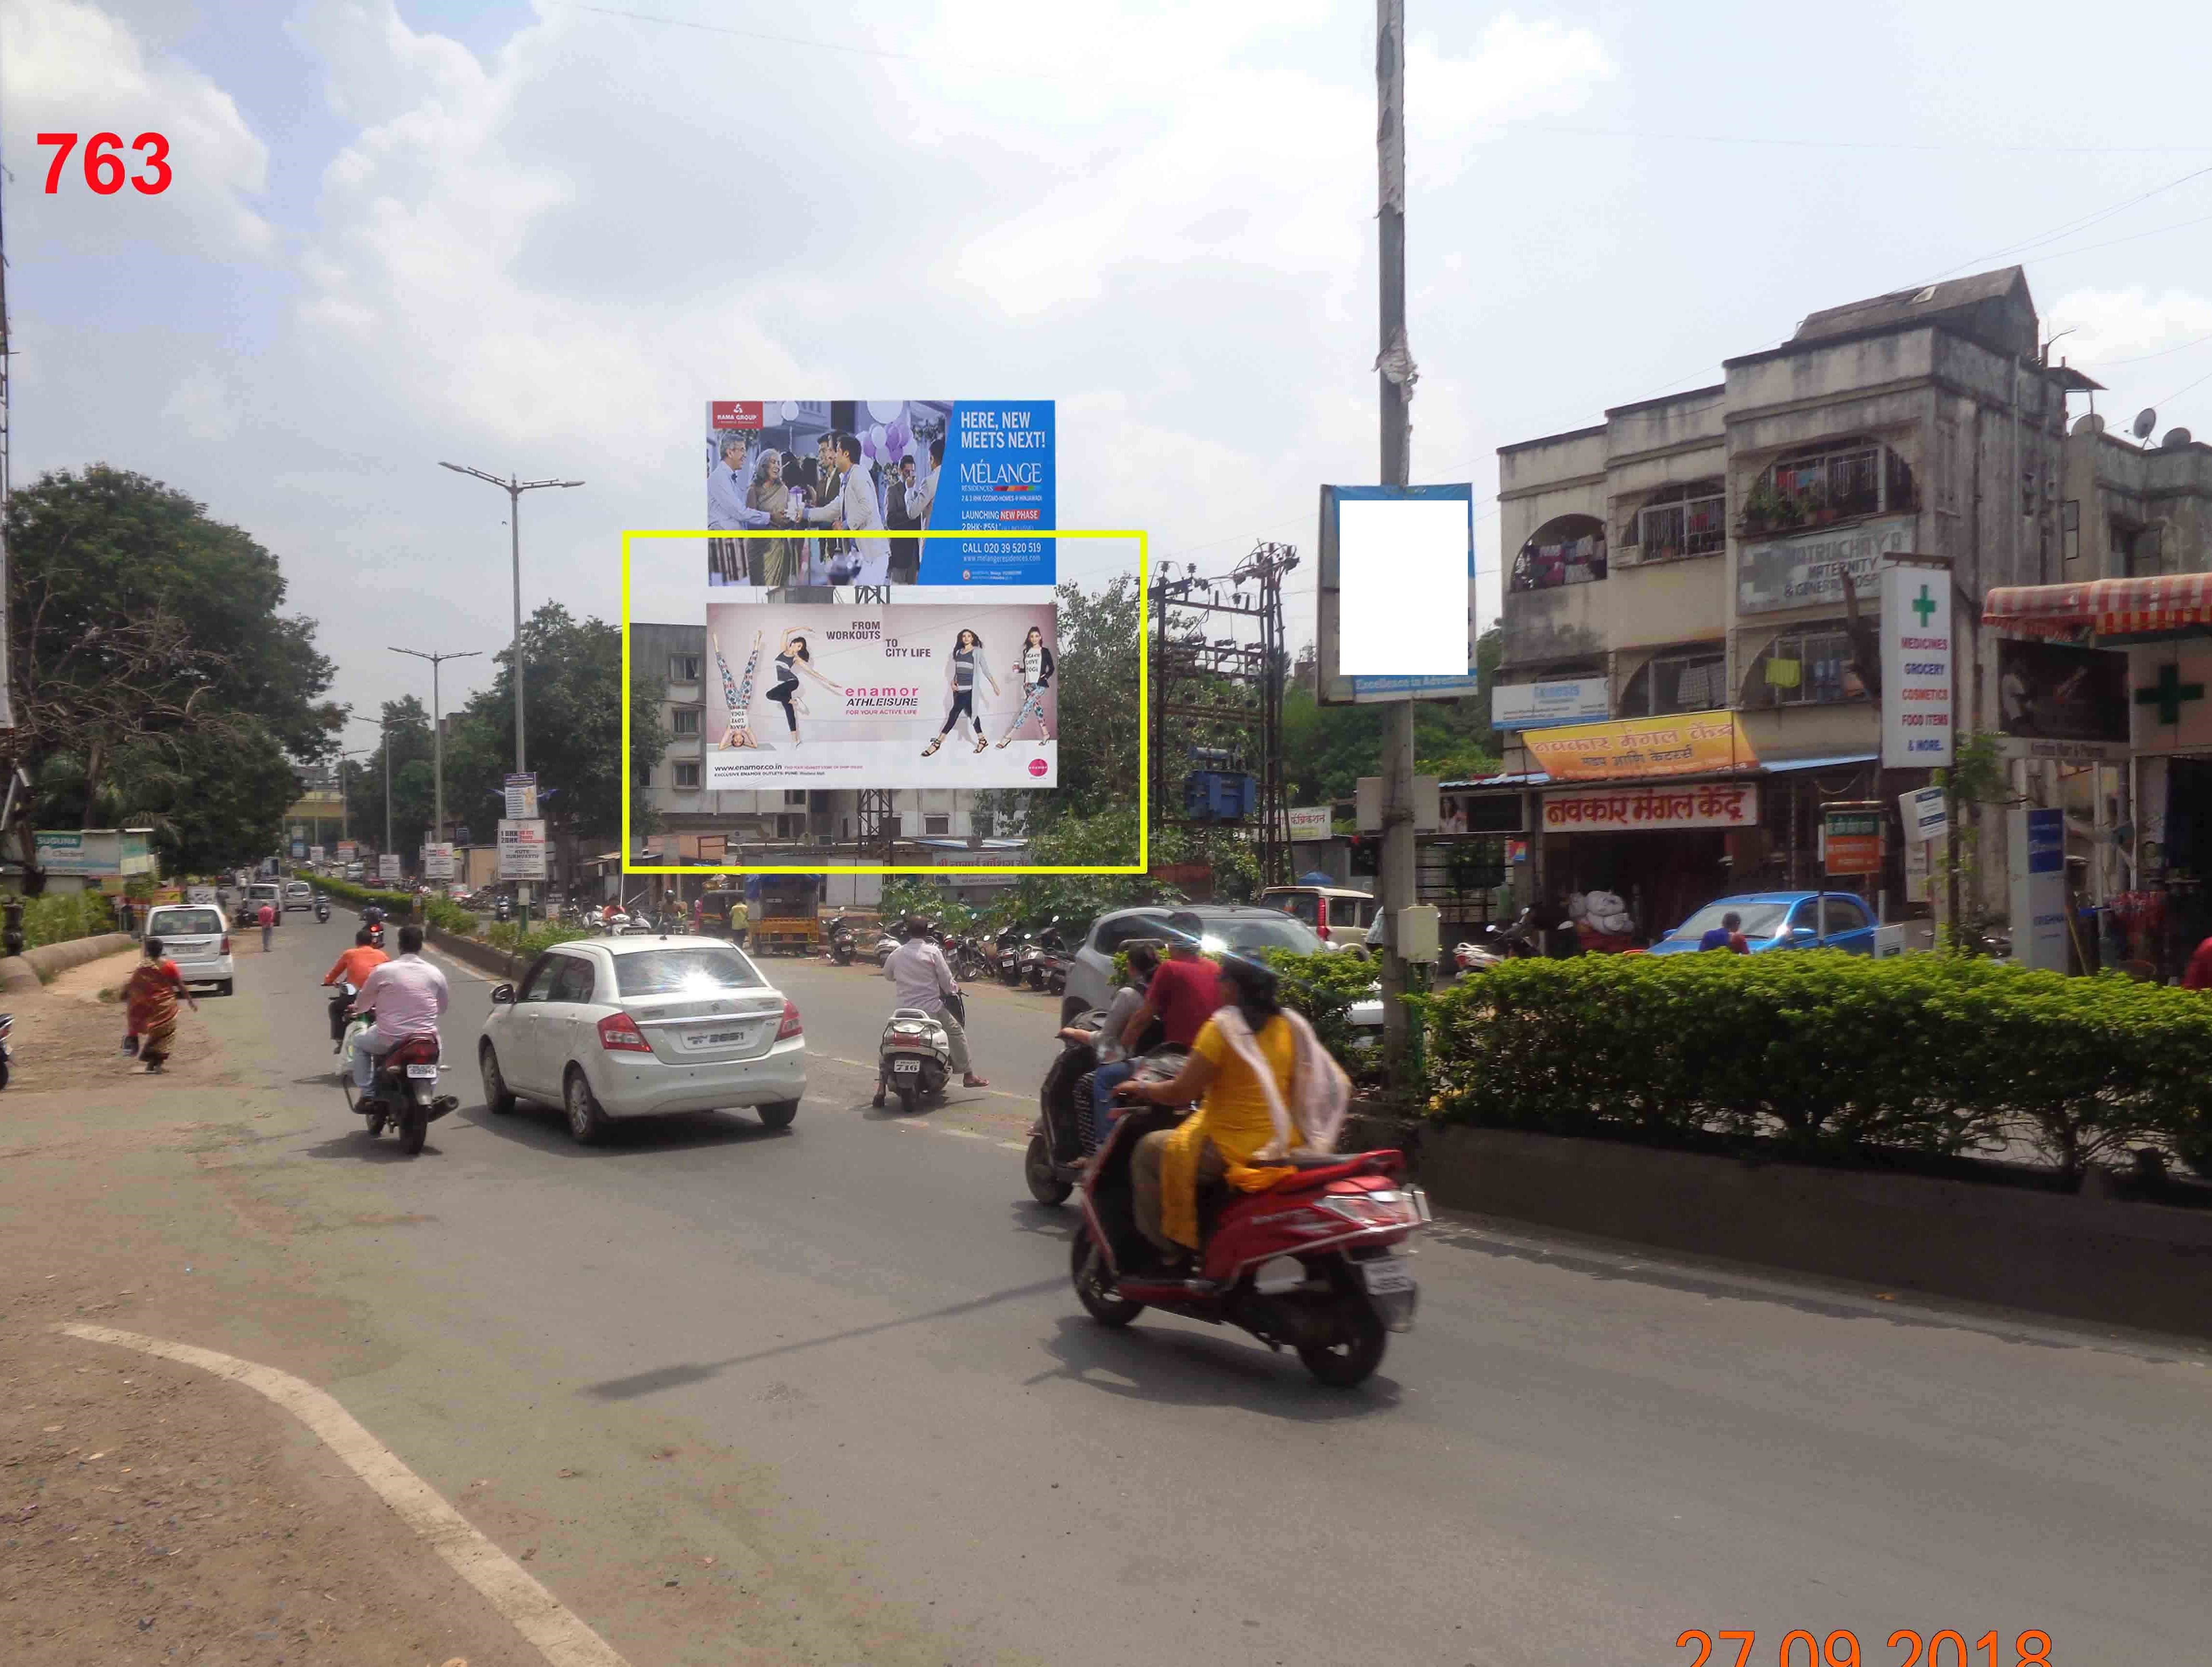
(2146, 420)
(2175, 439)
(2092, 423)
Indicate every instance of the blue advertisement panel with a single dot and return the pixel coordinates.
(818, 468)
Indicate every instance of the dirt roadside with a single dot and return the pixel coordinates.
(151, 1513)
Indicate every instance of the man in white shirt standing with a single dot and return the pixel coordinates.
(407, 994)
(856, 510)
(727, 483)
(923, 978)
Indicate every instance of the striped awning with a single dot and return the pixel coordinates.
(2112, 607)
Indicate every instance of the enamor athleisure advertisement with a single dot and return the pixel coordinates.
(921, 695)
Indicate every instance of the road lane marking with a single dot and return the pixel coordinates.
(1014, 1145)
(562, 1638)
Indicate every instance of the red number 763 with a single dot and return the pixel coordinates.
(103, 168)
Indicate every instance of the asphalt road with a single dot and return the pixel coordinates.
(889, 1425)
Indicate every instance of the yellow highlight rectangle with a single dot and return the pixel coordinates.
(1144, 707)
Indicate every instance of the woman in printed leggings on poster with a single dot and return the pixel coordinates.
(791, 660)
(738, 696)
(960, 666)
(1034, 669)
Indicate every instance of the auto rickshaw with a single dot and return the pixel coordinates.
(785, 913)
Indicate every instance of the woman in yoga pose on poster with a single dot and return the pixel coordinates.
(960, 666)
(738, 696)
(1034, 669)
(791, 660)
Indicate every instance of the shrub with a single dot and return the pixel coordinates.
(1323, 986)
(1831, 1053)
(57, 918)
(510, 937)
(440, 912)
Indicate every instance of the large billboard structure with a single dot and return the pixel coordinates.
(816, 468)
(1396, 605)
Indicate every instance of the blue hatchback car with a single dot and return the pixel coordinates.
(1781, 919)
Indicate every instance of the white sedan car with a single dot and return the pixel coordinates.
(197, 938)
(638, 1027)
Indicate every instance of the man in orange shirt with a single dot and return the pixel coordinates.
(353, 967)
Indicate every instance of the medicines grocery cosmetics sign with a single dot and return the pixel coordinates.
(1915, 666)
(815, 469)
(933, 695)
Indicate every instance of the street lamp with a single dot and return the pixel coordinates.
(514, 488)
(437, 739)
(384, 724)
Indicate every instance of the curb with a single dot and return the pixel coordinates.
(31, 969)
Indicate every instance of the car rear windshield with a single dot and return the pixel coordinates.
(1760, 920)
(683, 971)
(1287, 933)
(183, 923)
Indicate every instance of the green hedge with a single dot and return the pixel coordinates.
(506, 934)
(57, 918)
(442, 913)
(1828, 1052)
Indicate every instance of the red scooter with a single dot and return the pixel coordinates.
(1308, 1262)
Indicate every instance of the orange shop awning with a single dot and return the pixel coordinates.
(2112, 607)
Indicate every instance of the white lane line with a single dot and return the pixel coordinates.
(964, 1133)
(1014, 1145)
(562, 1638)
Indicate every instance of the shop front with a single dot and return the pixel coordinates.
(2158, 830)
(1664, 849)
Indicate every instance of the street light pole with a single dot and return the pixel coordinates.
(437, 739)
(515, 487)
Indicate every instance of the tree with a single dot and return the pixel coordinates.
(573, 692)
(154, 672)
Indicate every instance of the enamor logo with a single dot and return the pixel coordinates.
(1037, 766)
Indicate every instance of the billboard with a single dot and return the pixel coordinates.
(1396, 602)
(438, 860)
(2054, 692)
(522, 797)
(1915, 666)
(1561, 700)
(1691, 744)
(819, 467)
(814, 694)
(521, 849)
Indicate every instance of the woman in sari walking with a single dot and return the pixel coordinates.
(151, 995)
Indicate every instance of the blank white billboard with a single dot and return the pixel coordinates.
(1402, 587)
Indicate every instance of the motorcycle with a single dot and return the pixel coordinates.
(914, 1059)
(1309, 1262)
(1472, 959)
(966, 959)
(501, 908)
(322, 911)
(376, 934)
(1064, 1135)
(1008, 953)
(404, 1093)
(7, 1047)
(886, 945)
(341, 999)
(841, 939)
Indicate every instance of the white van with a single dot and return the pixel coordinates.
(197, 938)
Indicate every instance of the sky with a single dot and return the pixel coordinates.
(539, 236)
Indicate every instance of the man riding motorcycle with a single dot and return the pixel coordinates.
(353, 968)
(924, 980)
(407, 995)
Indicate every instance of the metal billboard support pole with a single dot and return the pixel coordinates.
(1394, 365)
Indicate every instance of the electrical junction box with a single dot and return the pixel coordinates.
(1889, 940)
(1419, 934)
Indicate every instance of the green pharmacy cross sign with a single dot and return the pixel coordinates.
(1924, 605)
(2168, 694)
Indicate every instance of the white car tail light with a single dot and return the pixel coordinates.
(790, 1027)
(226, 943)
(619, 1034)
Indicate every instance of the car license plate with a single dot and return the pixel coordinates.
(1386, 1276)
(417, 1072)
(899, 1066)
(720, 1038)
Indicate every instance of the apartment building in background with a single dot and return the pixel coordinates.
(1690, 554)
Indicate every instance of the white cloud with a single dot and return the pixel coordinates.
(1519, 69)
(203, 407)
(67, 66)
(2109, 324)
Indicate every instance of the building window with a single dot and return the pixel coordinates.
(936, 824)
(1840, 481)
(1808, 666)
(1567, 551)
(687, 774)
(1695, 681)
(794, 796)
(1690, 519)
(2135, 550)
(684, 720)
(684, 668)
(2069, 521)
(790, 827)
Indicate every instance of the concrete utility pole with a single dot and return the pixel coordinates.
(438, 738)
(1394, 366)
